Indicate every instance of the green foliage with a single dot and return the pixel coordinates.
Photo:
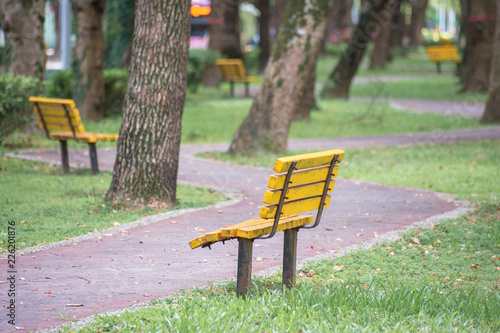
(15, 111)
(115, 88)
(59, 84)
(199, 61)
(118, 31)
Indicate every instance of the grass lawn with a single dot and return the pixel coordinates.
(442, 279)
(442, 87)
(49, 206)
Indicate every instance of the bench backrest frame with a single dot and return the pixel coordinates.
(284, 190)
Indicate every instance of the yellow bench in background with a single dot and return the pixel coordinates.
(60, 119)
(301, 185)
(440, 53)
(233, 70)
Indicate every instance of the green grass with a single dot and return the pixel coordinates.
(49, 206)
(442, 87)
(441, 279)
(469, 170)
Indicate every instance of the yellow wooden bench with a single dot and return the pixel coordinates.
(301, 185)
(60, 119)
(233, 70)
(440, 53)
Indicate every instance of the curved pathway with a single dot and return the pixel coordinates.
(129, 266)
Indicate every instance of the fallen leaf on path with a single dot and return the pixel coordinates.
(173, 222)
(338, 267)
(74, 305)
(259, 259)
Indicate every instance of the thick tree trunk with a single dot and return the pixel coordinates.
(22, 23)
(308, 101)
(372, 12)
(88, 62)
(145, 171)
(231, 44)
(277, 17)
(492, 110)
(480, 28)
(417, 22)
(293, 57)
(380, 53)
(398, 25)
(264, 42)
(211, 77)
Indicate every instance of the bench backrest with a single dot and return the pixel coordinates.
(302, 184)
(231, 68)
(442, 52)
(54, 114)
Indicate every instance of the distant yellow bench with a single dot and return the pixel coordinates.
(233, 70)
(60, 119)
(301, 185)
(440, 53)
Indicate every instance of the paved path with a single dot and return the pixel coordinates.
(136, 265)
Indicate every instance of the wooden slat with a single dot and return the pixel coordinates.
(305, 161)
(265, 228)
(54, 112)
(198, 241)
(233, 70)
(294, 207)
(297, 192)
(84, 137)
(52, 102)
(66, 127)
(442, 53)
(60, 121)
(301, 177)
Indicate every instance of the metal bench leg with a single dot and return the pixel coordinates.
(438, 64)
(93, 158)
(290, 257)
(244, 280)
(231, 85)
(247, 89)
(64, 155)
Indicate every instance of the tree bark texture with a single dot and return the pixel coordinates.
(417, 22)
(380, 53)
(398, 25)
(308, 101)
(492, 110)
(277, 16)
(479, 33)
(339, 22)
(211, 77)
(231, 44)
(88, 60)
(292, 59)
(22, 23)
(145, 171)
(373, 14)
(264, 42)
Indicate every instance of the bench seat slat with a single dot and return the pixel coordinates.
(306, 161)
(84, 137)
(61, 127)
(301, 177)
(53, 102)
(59, 120)
(294, 207)
(297, 192)
(53, 112)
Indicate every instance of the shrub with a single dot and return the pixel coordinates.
(15, 111)
(115, 88)
(59, 84)
(199, 61)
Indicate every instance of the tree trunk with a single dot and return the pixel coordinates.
(492, 110)
(417, 22)
(278, 11)
(372, 13)
(231, 45)
(339, 22)
(211, 77)
(308, 101)
(264, 42)
(145, 171)
(88, 62)
(398, 25)
(480, 28)
(22, 23)
(380, 53)
(293, 57)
